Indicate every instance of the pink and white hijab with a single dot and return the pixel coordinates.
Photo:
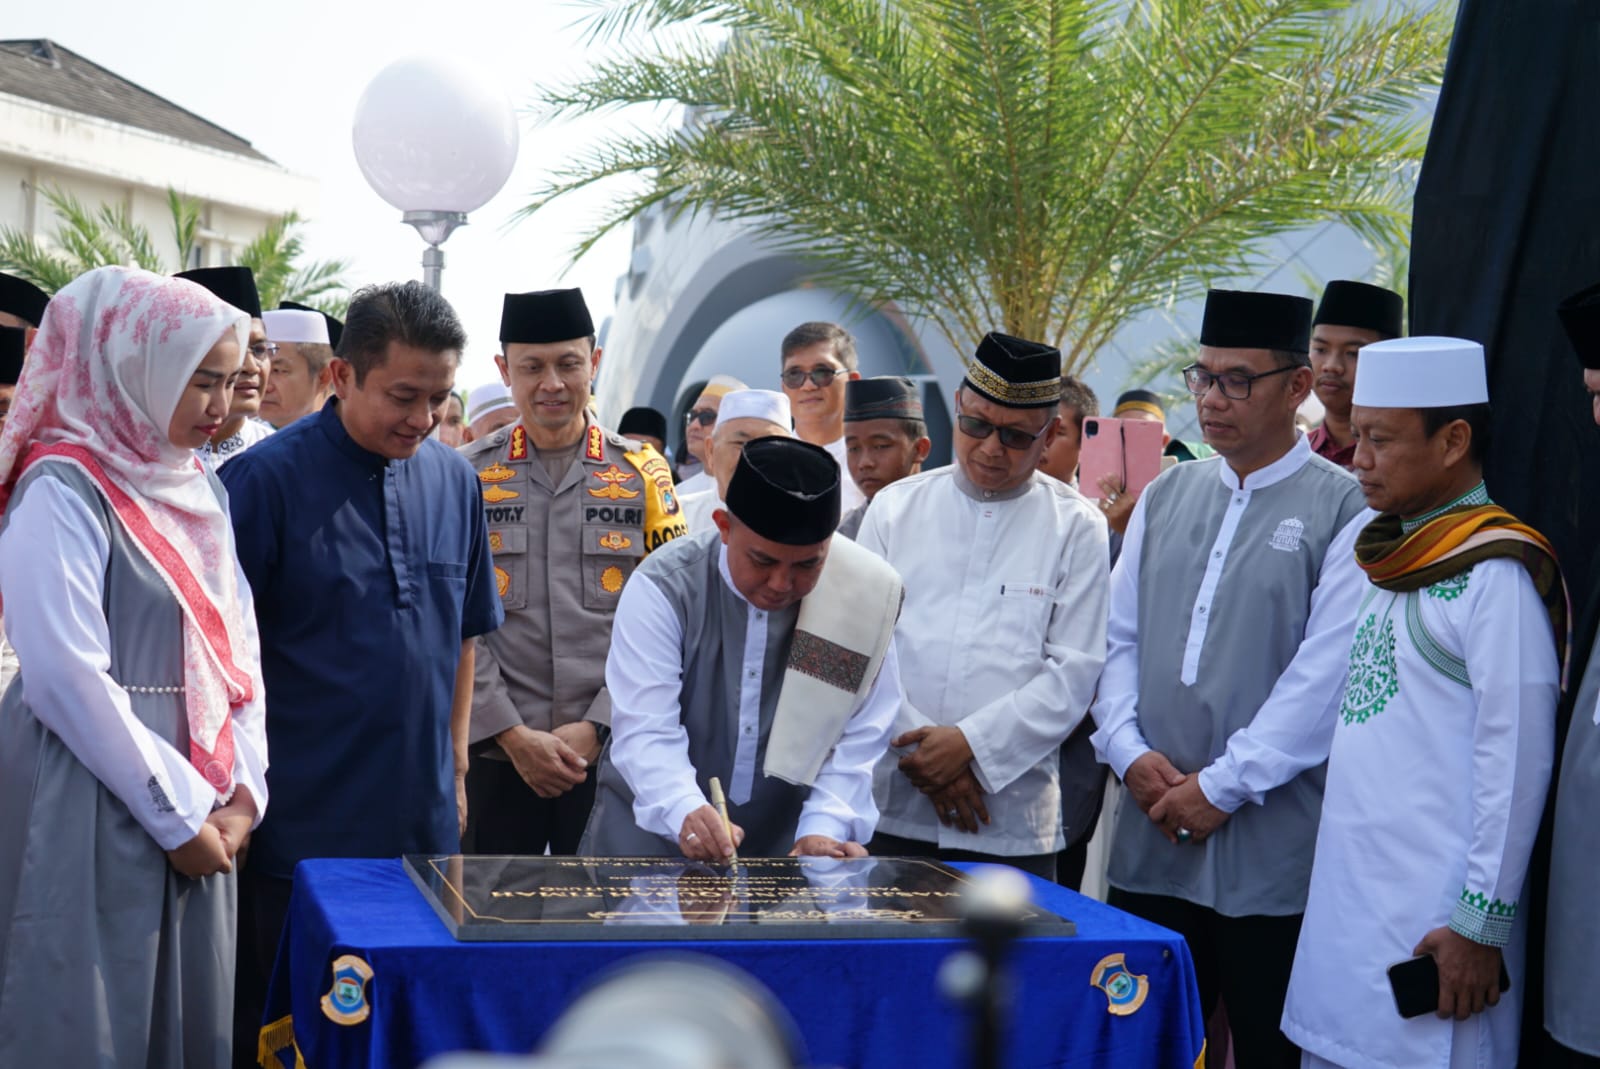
(103, 377)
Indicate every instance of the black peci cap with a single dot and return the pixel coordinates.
(786, 491)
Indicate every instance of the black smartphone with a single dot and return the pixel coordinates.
(1415, 983)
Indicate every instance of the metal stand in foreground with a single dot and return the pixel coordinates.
(976, 977)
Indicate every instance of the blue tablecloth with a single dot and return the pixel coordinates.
(859, 1004)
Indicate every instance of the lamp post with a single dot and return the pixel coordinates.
(436, 140)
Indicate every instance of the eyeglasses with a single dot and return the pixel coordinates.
(1010, 437)
(1235, 385)
(703, 416)
(263, 350)
(795, 377)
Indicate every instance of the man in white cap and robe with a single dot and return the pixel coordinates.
(302, 379)
(742, 416)
(761, 654)
(1444, 739)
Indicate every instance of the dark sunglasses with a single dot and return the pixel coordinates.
(703, 416)
(1010, 437)
(795, 377)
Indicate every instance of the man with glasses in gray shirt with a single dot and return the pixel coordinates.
(1232, 607)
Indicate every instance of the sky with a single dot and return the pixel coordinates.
(286, 76)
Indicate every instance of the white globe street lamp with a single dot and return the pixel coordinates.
(437, 140)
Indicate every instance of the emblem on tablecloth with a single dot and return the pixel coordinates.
(1125, 991)
(346, 1000)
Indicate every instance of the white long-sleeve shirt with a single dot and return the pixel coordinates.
(53, 559)
(650, 745)
(1002, 634)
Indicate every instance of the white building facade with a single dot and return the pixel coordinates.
(66, 123)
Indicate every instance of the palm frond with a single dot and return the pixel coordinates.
(25, 257)
(1051, 167)
(185, 211)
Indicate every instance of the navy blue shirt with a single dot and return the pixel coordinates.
(368, 575)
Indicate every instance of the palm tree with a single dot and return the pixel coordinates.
(88, 238)
(1052, 168)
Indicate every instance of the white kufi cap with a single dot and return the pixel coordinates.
(755, 404)
(1421, 373)
(487, 398)
(297, 327)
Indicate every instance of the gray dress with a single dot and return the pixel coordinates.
(108, 957)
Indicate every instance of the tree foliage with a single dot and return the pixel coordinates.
(1048, 167)
(86, 238)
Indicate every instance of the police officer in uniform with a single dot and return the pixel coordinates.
(572, 508)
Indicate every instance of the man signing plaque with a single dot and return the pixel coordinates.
(762, 654)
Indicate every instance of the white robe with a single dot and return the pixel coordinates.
(1003, 634)
(697, 509)
(1434, 793)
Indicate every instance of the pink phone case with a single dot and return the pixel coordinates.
(1127, 449)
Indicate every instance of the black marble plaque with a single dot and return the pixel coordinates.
(585, 898)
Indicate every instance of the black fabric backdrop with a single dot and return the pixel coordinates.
(1507, 223)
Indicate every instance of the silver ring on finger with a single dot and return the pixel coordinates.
(1184, 835)
(952, 813)
(691, 837)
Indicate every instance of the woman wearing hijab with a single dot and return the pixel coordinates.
(132, 749)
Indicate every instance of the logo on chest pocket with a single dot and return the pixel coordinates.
(1288, 535)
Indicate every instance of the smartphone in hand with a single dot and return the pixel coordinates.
(1415, 983)
(1129, 450)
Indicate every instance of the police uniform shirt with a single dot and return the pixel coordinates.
(563, 548)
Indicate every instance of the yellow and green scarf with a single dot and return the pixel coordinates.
(1453, 542)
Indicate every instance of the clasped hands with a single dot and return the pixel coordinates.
(218, 841)
(551, 763)
(940, 767)
(1172, 800)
